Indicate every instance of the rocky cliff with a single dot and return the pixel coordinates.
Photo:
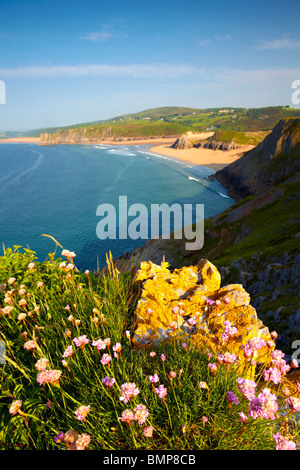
(275, 159)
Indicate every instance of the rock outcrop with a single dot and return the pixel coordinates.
(182, 142)
(274, 159)
(190, 304)
(215, 145)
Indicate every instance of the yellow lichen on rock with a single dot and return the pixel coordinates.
(191, 304)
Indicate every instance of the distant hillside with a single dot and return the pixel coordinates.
(193, 119)
(113, 132)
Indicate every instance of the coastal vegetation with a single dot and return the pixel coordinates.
(70, 378)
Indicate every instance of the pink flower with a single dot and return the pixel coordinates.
(148, 431)
(246, 387)
(272, 374)
(141, 414)
(294, 363)
(152, 354)
(163, 357)
(227, 358)
(128, 390)
(81, 341)
(105, 360)
(99, 344)
(282, 443)
(51, 376)
(210, 302)
(161, 391)
(213, 367)
(293, 403)
(228, 331)
(231, 398)
(82, 441)
(278, 361)
(204, 419)
(225, 300)
(108, 382)
(42, 364)
(127, 416)
(68, 352)
(243, 417)
(191, 322)
(117, 347)
(15, 407)
(153, 378)
(172, 374)
(203, 385)
(264, 406)
(59, 438)
(30, 345)
(82, 412)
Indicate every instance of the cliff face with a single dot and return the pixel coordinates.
(276, 158)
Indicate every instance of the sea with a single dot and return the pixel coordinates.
(56, 190)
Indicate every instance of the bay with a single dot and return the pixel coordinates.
(55, 190)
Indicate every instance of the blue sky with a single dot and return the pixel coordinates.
(67, 62)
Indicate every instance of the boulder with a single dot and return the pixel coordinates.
(190, 304)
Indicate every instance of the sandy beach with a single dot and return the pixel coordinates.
(215, 159)
(20, 140)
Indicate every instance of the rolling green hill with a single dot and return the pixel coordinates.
(150, 122)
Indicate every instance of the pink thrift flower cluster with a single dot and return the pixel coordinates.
(264, 405)
(253, 345)
(229, 331)
(226, 358)
(81, 341)
(49, 376)
(282, 443)
(108, 382)
(246, 387)
(82, 412)
(73, 440)
(161, 391)
(140, 414)
(128, 390)
(278, 361)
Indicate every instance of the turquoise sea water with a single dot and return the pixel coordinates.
(55, 190)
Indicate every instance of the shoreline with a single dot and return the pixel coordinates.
(213, 159)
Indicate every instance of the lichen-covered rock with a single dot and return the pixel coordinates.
(189, 303)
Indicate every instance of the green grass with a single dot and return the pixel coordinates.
(102, 307)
